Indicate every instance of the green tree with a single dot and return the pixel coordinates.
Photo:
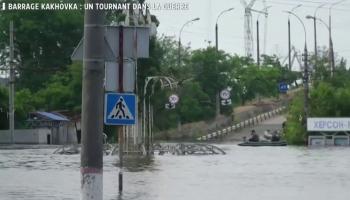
(44, 40)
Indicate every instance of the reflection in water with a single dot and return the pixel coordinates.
(135, 163)
(244, 173)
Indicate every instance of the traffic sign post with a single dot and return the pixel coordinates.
(226, 102)
(170, 106)
(283, 87)
(173, 99)
(120, 109)
(225, 94)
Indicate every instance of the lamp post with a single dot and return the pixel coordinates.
(289, 38)
(324, 23)
(258, 33)
(331, 50)
(179, 48)
(217, 27)
(315, 28)
(306, 71)
(217, 97)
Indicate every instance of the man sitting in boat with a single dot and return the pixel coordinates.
(253, 137)
(275, 137)
(267, 134)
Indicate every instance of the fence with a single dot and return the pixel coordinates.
(244, 124)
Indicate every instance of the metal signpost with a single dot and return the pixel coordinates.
(118, 45)
(173, 100)
(225, 97)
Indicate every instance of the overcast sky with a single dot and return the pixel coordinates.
(231, 25)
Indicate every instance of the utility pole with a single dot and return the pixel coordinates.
(257, 43)
(92, 105)
(12, 86)
(331, 50)
(121, 90)
(216, 38)
(306, 73)
(289, 48)
(306, 85)
(179, 53)
(289, 37)
(331, 53)
(315, 37)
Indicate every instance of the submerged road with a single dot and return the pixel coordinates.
(272, 124)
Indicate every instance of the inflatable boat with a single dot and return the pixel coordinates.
(263, 143)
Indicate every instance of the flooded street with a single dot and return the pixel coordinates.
(244, 173)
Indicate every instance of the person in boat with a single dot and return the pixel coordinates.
(275, 137)
(267, 134)
(253, 137)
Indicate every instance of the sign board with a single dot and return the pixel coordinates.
(169, 106)
(225, 94)
(112, 76)
(328, 124)
(226, 102)
(173, 99)
(283, 87)
(136, 43)
(120, 109)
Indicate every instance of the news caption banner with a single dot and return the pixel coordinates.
(93, 6)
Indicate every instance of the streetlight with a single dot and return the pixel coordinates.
(324, 23)
(315, 28)
(306, 72)
(258, 33)
(289, 40)
(331, 52)
(179, 50)
(216, 27)
(217, 98)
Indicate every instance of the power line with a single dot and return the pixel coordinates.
(307, 6)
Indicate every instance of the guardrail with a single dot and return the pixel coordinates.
(244, 124)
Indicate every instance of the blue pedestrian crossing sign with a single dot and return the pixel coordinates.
(120, 109)
(283, 87)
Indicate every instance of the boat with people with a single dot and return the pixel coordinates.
(263, 143)
(273, 139)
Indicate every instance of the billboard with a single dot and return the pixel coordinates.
(328, 124)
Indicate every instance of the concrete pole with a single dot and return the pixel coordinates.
(92, 105)
(257, 43)
(315, 37)
(216, 37)
(121, 90)
(217, 97)
(289, 48)
(12, 87)
(179, 53)
(331, 53)
(306, 85)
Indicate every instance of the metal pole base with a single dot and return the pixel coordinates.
(120, 181)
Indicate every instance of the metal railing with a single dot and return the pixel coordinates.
(241, 125)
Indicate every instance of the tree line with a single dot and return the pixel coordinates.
(48, 80)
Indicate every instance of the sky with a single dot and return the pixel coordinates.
(231, 25)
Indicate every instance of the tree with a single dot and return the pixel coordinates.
(44, 46)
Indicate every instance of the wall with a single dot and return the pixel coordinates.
(25, 136)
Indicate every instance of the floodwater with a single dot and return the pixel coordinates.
(244, 173)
